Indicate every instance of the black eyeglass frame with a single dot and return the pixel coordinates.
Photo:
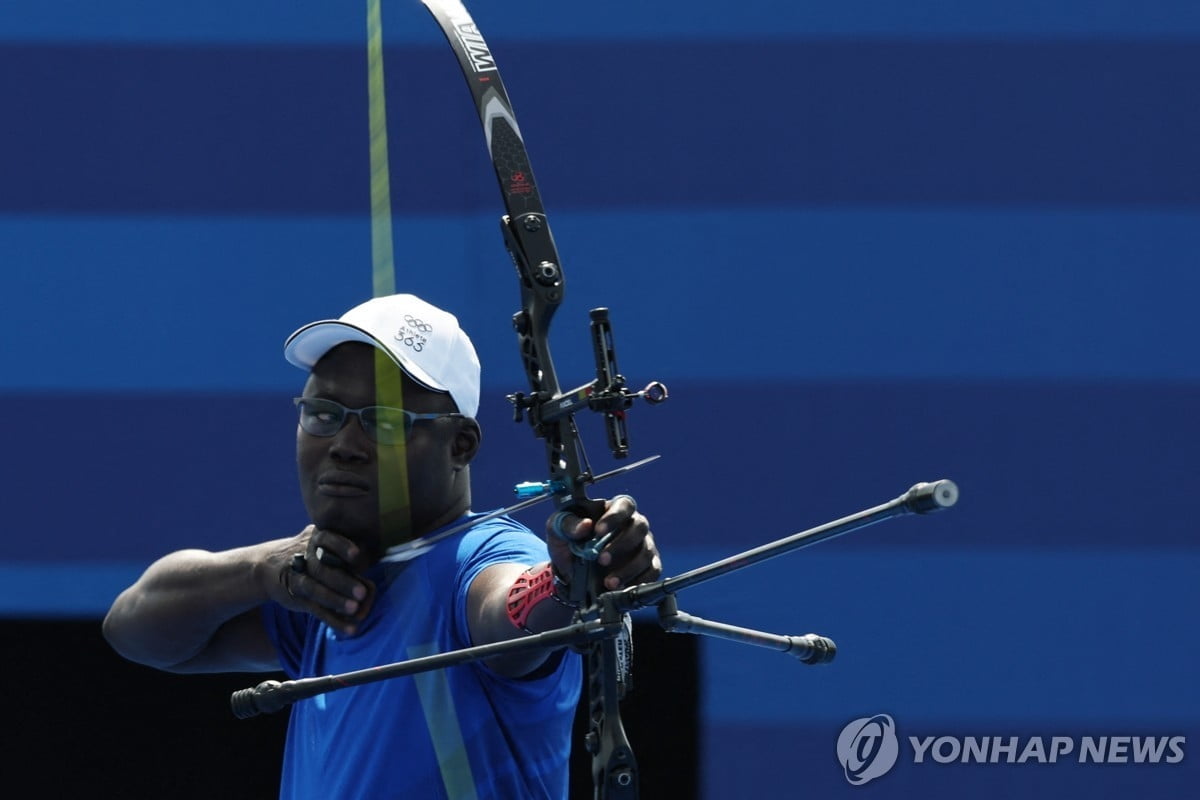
(369, 423)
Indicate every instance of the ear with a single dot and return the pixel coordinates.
(466, 442)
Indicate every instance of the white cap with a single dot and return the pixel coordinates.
(422, 339)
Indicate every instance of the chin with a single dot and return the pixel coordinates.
(355, 527)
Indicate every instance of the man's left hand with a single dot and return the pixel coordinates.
(628, 558)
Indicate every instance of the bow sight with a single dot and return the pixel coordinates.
(608, 393)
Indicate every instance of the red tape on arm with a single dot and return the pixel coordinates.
(530, 588)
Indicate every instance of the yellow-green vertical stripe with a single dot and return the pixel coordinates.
(395, 500)
(438, 704)
(395, 505)
(383, 271)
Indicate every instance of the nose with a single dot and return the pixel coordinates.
(351, 443)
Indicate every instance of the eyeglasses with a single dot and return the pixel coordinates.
(383, 424)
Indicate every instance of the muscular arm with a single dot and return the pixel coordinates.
(196, 611)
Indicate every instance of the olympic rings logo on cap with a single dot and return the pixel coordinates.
(418, 324)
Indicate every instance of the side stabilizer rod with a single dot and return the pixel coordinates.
(808, 649)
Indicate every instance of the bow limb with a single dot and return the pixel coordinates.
(550, 411)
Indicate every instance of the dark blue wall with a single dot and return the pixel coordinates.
(865, 246)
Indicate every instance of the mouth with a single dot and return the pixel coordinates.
(342, 484)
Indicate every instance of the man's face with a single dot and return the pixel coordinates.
(377, 495)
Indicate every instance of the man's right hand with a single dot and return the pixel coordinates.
(327, 582)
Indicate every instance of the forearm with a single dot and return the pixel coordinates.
(491, 620)
(171, 614)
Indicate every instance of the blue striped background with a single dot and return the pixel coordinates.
(865, 244)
